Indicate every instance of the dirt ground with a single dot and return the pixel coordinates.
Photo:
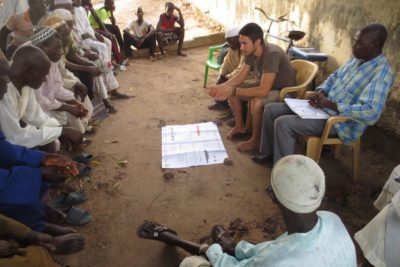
(123, 195)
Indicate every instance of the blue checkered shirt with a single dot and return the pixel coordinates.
(360, 92)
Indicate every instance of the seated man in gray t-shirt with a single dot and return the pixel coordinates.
(273, 72)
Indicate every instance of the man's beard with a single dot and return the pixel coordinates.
(252, 52)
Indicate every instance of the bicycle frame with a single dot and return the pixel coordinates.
(279, 19)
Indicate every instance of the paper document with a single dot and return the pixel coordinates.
(305, 111)
(191, 145)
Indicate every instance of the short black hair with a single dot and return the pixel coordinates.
(379, 33)
(253, 31)
(169, 5)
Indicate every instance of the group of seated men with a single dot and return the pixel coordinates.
(57, 62)
(358, 91)
(255, 71)
(138, 32)
(55, 71)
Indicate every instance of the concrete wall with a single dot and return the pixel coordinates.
(329, 24)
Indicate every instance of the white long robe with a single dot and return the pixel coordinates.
(51, 96)
(40, 130)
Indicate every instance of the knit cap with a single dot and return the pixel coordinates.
(298, 183)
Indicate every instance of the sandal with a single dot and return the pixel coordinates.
(154, 232)
(84, 171)
(69, 199)
(222, 237)
(241, 136)
(77, 216)
(90, 130)
(217, 232)
(84, 158)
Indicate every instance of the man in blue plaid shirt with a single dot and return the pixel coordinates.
(357, 90)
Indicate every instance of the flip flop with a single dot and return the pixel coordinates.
(84, 171)
(241, 136)
(84, 158)
(155, 233)
(90, 130)
(85, 143)
(69, 199)
(77, 216)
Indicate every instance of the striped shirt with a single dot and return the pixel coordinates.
(360, 91)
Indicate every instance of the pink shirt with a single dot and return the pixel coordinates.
(52, 90)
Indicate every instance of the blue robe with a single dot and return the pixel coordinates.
(21, 185)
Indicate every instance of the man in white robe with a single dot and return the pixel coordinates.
(22, 120)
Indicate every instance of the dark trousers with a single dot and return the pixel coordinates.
(114, 45)
(87, 79)
(149, 42)
(114, 29)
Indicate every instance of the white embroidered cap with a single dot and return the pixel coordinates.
(232, 32)
(298, 183)
(42, 34)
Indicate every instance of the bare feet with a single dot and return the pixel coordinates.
(56, 230)
(117, 95)
(233, 131)
(55, 215)
(112, 109)
(248, 145)
(181, 54)
(69, 243)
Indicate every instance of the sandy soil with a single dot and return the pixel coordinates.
(121, 197)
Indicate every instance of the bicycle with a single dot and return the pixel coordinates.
(293, 36)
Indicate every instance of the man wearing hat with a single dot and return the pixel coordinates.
(140, 34)
(313, 238)
(232, 63)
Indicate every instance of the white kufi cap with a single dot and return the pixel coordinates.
(232, 32)
(298, 183)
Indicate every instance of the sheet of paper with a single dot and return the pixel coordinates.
(191, 145)
(305, 111)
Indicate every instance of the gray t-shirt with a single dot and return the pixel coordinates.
(273, 60)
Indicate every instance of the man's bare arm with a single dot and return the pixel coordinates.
(267, 80)
(239, 77)
(181, 22)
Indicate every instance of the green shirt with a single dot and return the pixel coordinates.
(103, 15)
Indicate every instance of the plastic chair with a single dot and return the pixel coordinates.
(315, 143)
(305, 73)
(211, 61)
